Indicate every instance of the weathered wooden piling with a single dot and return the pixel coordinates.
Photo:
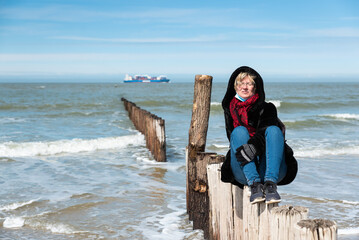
(222, 210)
(199, 200)
(316, 229)
(151, 126)
(232, 216)
(197, 133)
(284, 220)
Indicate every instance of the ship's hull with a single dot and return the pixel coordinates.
(147, 81)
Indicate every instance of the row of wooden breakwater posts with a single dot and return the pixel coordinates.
(222, 210)
(151, 126)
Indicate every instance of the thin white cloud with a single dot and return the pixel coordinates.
(144, 40)
(85, 57)
(222, 17)
(66, 58)
(352, 18)
(49, 57)
(268, 47)
(69, 13)
(49, 13)
(335, 32)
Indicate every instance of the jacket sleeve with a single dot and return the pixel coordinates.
(267, 118)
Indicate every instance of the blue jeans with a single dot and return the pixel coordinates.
(270, 166)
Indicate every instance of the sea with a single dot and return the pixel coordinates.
(72, 165)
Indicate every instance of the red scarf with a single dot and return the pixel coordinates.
(242, 108)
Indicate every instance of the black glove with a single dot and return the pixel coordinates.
(246, 153)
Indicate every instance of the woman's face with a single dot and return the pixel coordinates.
(245, 88)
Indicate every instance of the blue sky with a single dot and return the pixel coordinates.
(109, 38)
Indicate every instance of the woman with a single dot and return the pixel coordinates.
(258, 155)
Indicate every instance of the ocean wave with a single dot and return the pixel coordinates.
(11, 120)
(294, 106)
(344, 116)
(350, 202)
(305, 123)
(218, 147)
(12, 107)
(78, 114)
(216, 108)
(319, 152)
(18, 222)
(56, 106)
(322, 121)
(6, 159)
(60, 228)
(348, 231)
(26, 149)
(321, 200)
(14, 206)
(276, 103)
(216, 104)
(14, 222)
(156, 103)
(169, 224)
(305, 104)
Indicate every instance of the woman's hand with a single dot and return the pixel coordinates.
(246, 153)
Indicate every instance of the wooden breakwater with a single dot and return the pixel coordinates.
(151, 126)
(222, 210)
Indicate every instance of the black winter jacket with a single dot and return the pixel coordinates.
(260, 116)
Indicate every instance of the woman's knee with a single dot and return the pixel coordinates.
(240, 131)
(239, 137)
(273, 130)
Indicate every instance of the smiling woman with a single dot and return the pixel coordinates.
(244, 85)
(258, 156)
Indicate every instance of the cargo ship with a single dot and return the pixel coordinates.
(145, 79)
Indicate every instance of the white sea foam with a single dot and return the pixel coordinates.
(18, 222)
(220, 145)
(276, 102)
(6, 159)
(169, 224)
(350, 202)
(25, 149)
(344, 116)
(52, 227)
(348, 231)
(14, 206)
(59, 228)
(318, 152)
(216, 104)
(11, 120)
(13, 222)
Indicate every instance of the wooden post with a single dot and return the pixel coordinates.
(256, 220)
(200, 115)
(151, 126)
(313, 229)
(237, 198)
(220, 206)
(198, 130)
(199, 190)
(161, 139)
(284, 220)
